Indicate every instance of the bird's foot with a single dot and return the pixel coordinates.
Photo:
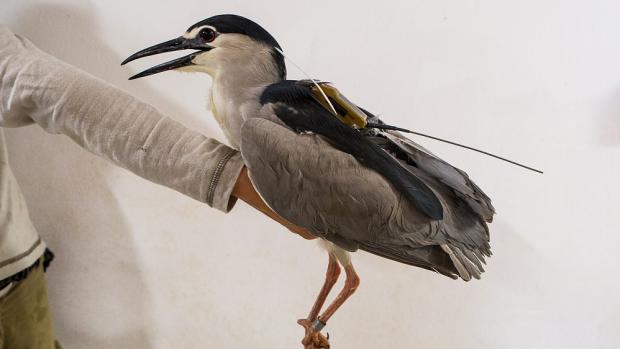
(313, 338)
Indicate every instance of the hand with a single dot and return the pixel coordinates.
(244, 190)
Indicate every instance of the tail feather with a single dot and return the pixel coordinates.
(471, 267)
(457, 263)
(472, 257)
(464, 265)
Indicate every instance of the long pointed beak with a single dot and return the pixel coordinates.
(180, 43)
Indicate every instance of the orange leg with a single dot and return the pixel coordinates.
(313, 339)
(331, 276)
(313, 325)
(350, 285)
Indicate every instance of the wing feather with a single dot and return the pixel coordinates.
(318, 187)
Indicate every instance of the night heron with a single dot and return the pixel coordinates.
(331, 167)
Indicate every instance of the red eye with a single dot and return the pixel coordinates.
(207, 34)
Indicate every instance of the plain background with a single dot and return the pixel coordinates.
(140, 266)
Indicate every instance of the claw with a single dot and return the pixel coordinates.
(313, 339)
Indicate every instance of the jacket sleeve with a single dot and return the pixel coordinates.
(38, 88)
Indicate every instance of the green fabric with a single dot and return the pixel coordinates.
(25, 317)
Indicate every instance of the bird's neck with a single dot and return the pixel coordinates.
(235, 97)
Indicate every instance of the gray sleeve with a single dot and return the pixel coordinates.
(38, 88)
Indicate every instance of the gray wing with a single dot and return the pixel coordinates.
(328, 192)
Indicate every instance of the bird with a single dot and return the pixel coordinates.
(330, 166)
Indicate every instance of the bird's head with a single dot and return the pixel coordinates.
(221, 44)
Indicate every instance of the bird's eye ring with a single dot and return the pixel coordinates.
(208, 34)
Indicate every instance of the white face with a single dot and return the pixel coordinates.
(231, 54)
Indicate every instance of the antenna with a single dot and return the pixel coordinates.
(311, 79)
(394, 128)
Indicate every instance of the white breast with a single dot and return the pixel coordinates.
(231, 106)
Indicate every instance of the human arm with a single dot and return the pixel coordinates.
(244, 190)
(36, 88)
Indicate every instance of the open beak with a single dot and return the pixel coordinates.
(180, 43)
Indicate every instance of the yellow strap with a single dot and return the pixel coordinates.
(353, 117)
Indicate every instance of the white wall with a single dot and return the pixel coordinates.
(140, 266)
